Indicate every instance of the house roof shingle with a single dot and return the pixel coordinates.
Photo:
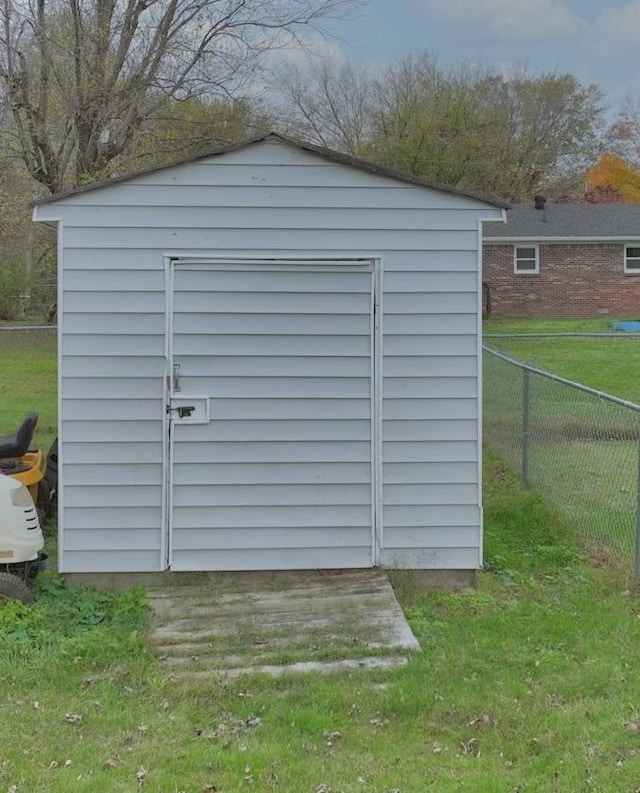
(568, 221)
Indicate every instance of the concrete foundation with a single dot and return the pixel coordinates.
(427, 580)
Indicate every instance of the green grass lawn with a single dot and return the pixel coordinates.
(588, 325)
(608, 364)
(29, 382)
(528, 683)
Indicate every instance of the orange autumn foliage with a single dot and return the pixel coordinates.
(612, 175)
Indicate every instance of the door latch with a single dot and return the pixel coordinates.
(188, 409)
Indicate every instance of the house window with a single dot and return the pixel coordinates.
(632, 259)
(526, 260)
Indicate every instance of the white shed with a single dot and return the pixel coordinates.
(269, 360)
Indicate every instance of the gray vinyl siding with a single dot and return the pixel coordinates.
(112, 401)
(271, 200)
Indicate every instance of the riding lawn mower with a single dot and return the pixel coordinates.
(24, 491)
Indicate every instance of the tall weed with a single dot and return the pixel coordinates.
(73, 619)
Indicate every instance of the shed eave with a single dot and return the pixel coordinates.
(45, 214)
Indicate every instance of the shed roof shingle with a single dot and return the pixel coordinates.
(328, 154)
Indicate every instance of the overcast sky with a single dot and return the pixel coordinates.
(597, 40)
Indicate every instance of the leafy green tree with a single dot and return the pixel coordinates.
(26, 253)
(191, 127)
(511, 135)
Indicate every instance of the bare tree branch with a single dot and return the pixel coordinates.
(81, 77)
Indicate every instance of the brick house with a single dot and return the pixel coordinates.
(564, 260)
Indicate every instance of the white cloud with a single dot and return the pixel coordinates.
(299, 52)
(616, 27)
(513, 19)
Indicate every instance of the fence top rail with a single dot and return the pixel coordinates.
(603, 334)
(28, 327)
(556, 378)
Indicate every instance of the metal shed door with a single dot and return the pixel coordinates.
(272, 416)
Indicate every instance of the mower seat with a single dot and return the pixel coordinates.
(18, 444)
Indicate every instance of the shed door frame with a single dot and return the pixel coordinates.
(288, 262)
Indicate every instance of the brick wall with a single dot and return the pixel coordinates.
(582, 280)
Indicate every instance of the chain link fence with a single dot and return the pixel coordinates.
(579, 447)
(27, 338)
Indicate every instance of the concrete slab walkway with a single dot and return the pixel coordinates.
(237, 623)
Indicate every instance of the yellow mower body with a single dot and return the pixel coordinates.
(30, 471)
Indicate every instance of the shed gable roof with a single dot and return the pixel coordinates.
(328, 154)
(569, 221)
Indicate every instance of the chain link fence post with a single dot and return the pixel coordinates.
(526, 396)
